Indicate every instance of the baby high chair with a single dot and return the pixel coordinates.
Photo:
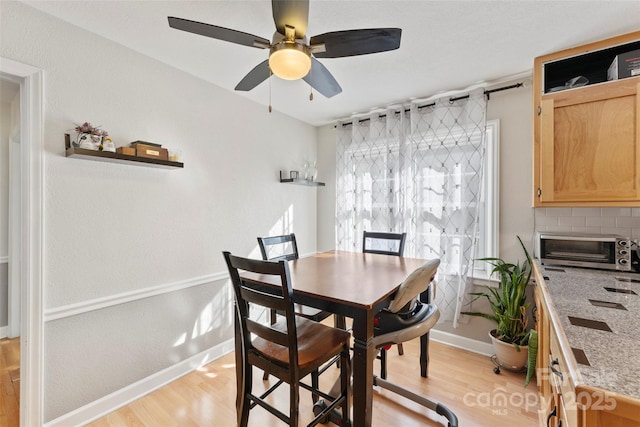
(406, 318)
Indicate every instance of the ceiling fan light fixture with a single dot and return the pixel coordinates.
(290, 60)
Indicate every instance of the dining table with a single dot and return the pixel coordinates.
(355, 285)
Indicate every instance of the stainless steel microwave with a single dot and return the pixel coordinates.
(604, 251)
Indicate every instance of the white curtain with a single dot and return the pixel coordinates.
(417, 171)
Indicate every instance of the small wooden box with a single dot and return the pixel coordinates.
(151, 151)
(127, 151)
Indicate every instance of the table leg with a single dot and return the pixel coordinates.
(363, 357)
(424, 340)
(424, 355)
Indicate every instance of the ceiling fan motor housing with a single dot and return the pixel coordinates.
(289, 60)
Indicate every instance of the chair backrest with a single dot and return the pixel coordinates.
(416, 283)
(276, 248)
(270, 297)
(383, 243)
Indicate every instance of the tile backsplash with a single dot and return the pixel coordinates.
(623, 221)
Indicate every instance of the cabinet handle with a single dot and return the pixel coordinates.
(551, 414)
(554, 363)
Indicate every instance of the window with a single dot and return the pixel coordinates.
(488, 221)
(431, 172)
(432, 176)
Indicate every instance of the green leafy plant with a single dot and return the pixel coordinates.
(509, 306)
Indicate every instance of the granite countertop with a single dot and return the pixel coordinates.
(613, 350)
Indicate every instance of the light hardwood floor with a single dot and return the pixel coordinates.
(10, 382)
(459, 379)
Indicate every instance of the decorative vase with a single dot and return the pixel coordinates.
(89, 141)
(313, 171)
(510, 356)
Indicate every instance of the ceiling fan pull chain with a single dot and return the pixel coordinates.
(310, 86)
(270, 75)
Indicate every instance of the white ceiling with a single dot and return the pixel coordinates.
(446, 45)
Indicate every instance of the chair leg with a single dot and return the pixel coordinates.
(341, 389)
(400, 349)
(339, 321)
(265, 376)
(245, 403)
(383, 363)
(424, 355)
(315, 383)
(294, 403)
(345, 385)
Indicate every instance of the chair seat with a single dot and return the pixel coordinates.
(316, 343)
(428, 317)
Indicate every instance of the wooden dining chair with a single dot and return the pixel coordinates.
(285, 247)
(375, 242)
(290, 349)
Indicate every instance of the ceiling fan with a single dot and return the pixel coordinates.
(291, 56)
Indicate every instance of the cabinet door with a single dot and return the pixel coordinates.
(590, 144)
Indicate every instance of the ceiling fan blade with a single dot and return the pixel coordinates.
(219, 33)
(321, 79)
(256, 76)
(338, 44)
(294, 13)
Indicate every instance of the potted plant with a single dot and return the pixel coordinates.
(89, 136)
(514, 343)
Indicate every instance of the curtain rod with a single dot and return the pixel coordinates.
(451, 100)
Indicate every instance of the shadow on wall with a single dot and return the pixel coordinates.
(217, 313)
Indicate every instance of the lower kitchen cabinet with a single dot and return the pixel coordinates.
(566, 399)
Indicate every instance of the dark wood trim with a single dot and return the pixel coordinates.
(106, 156)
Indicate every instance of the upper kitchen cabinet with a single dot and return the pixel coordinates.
(586, 127)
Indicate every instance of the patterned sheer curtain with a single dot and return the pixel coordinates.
(418, 171)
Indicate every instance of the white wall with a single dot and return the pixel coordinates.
(116, 230)
(513, 108)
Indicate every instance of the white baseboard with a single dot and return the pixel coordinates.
(461, 342)
(128, 394)
(4, 331)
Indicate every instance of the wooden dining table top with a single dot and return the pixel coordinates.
(350, 278)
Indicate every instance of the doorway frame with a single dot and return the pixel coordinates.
(31, 253)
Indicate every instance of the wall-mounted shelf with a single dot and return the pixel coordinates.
(302, 182)
(106, 156)
(299, 181)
